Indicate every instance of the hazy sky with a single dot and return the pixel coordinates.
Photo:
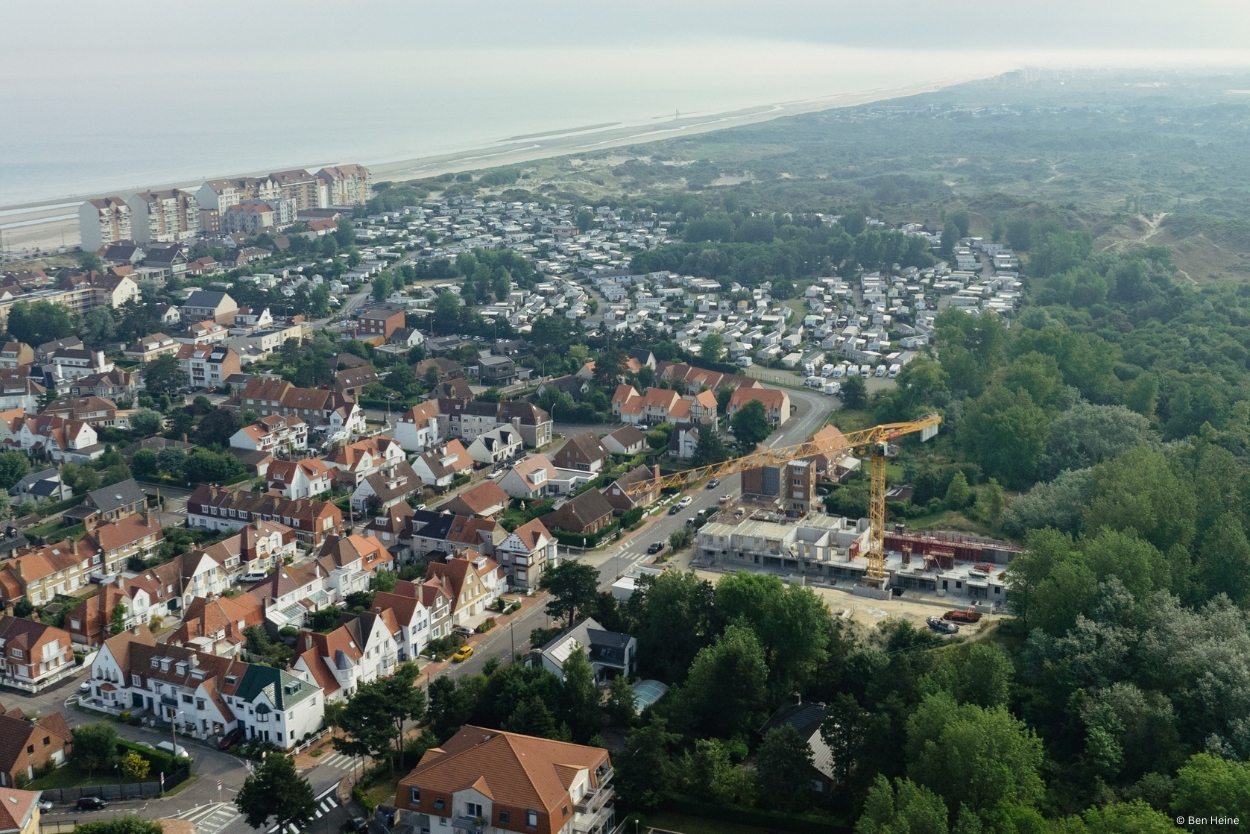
(86, 36)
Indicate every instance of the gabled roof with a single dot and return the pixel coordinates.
(479, 499)
(115, 496)
(516, 771)
(583, 448)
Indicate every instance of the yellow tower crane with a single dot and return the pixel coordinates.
(875, 440)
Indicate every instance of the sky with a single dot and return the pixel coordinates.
(116, 95)
(81, 38)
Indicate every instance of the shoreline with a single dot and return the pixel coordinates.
(45, 226)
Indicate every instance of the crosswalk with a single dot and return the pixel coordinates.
(326, 803)
(339, 760)
(212, 818)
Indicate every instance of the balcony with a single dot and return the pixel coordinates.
(599, 822)
(592, 802)
(468, 824)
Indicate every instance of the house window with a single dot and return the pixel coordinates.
(439, 804)
(504, 818)
(16, 653)
(186, 699)
(30, 748)
(414, 796)
(531, 819)
(135, 680)
(199, 703)
(473, 809)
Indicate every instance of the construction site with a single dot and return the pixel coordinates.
(777, 523)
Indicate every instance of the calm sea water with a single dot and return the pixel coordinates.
(113, 130)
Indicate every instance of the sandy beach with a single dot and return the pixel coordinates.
(53, 226)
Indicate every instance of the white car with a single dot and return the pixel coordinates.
(685, 502)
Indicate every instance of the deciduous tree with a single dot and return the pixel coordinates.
(275, 791)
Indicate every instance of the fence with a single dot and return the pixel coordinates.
(112, 793)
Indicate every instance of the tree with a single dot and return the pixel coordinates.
(135, 767)
(216, 428)
(532, 717)
(950, 239)
(584, 220)
(709, 772)
(98, 326)
(783, 764)
(1209, 786)
(619, 706)
(1141, 491)
(968, 755)
(95, 747)
(144, 464)
(146, 422)
(979, 673)
(164, 375)
(645, 766)
(854, 393)
(205, 466)
(452, 703)
(275, 791)
(13, 467)
(117, 622)
(673, 612)
(573, 586)
(712, 349)
(1224, 561)
(750, 424)
(579, 701)
(957, 493)
(446, 318)
(904, 808)
(36, 322)
(726, 690)
(1086, 435)
(381, 287)
(786, 619)
(710, 449)
(1004, 432)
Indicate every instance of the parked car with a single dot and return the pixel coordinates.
(356, 825)
(91, 803)
(941, 626)
(84, 688)
(714, 483)
(230, 739)
(654, 547)
(674, 510)
(173, 749)
(463, 631)
(462, 654)
(686, 501)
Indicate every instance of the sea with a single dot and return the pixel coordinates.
(96, 130)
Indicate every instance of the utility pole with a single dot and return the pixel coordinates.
(512, 637)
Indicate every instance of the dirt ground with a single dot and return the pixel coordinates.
(871, 612)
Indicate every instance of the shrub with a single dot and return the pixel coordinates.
(485, 626)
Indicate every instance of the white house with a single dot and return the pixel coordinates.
(417, 428)
(526, 553)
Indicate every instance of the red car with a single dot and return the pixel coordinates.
(230, 739)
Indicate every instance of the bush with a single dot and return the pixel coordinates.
(485, 626)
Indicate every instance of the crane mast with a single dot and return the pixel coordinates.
(875, 440)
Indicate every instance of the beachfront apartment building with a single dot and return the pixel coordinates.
(103, 221)
(346, 185)
(171, 216)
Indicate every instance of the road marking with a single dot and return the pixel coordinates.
(212, 818)
(339, 760)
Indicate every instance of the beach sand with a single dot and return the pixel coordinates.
(47, 228)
